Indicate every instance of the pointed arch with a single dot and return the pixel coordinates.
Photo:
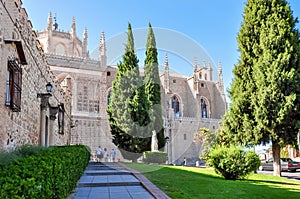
(204, 107)
(60, 49)
(176, 105)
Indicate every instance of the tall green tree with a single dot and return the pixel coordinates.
(128, 108)
(265, 92)
(152, 87)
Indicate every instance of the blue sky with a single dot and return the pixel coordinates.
(212, 25)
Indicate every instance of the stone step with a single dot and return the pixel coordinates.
(94, 173)
(107, 184)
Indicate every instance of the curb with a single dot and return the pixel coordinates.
(147, 184)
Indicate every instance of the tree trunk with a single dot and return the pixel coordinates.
(276, 157)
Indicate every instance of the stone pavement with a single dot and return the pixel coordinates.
(114, 181)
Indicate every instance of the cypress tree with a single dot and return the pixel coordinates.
(152, 87)
(265, 92)
(128, 108)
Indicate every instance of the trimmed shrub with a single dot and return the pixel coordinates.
(233, 162)
(52, 172)
(155, 157)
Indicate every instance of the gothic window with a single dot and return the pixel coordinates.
(200, 75)
(13, 85)
(175, 106)
(203, 109)
(205, 76)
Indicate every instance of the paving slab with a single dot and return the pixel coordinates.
(111, 181)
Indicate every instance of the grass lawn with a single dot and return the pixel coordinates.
(180, 182)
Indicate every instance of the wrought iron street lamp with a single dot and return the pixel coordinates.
(45, 96)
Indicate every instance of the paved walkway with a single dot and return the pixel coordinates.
(114, 181)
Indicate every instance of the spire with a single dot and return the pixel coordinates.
(220, 81)
(220, 72)
(204, 64)
(49, 26)
(210, 71)
(166, 63)
(167, 75)
(73, 28)
(102, 50)
(195, 65)
(84, 45)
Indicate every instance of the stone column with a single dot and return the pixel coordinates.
(44, 118)
(53, 112)
(42, 127)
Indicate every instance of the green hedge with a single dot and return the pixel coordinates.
(233, 162)
(51, 172)
(155, 157)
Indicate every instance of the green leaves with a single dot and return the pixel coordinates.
(233, 162)
(48, 173)
(265, 92)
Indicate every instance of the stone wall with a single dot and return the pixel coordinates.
(24, 126)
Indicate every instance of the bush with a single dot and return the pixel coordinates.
(42, 173)
(233, 162)
(20, 152)
(155, 157)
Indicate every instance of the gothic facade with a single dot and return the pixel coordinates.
(188, 102)
(29, 113)
(75, 111)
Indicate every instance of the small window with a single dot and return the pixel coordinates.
(108, 73)
(174, 80)
(202, 85)
(184, 136)
(13, 85)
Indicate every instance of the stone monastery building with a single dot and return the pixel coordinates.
(76, 110)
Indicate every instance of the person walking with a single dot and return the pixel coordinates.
(98, 154)
(113, 155)
(184, 161)
(105, 155)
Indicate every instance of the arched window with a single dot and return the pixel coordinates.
(205, 76)
(175, 106)
(200, 75)
(203, 109)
